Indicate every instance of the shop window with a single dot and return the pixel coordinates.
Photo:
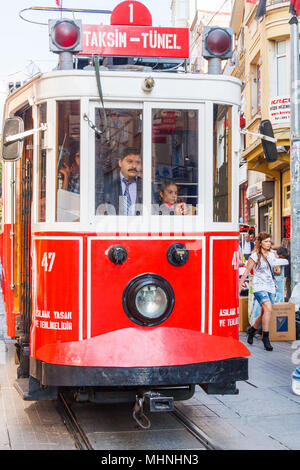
(287, 227)
(286, 200)
(266, 223)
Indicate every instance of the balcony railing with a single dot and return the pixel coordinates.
(274, 2)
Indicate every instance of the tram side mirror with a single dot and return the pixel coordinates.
(270, 149)
(12, 150)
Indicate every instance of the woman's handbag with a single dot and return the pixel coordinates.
(271, 272)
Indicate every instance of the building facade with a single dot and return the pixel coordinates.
(262, 62)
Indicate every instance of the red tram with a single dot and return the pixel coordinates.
(131, 299)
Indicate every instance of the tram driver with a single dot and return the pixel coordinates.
(123, 188)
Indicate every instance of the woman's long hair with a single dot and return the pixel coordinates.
(258, 247)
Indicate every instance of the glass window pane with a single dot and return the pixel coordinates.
(68, 161)
(258, 75)
(182, 9)
(42, 110)
(282, 79)
(174, 162)
(118, 162)
(281, 47)
(222, 164)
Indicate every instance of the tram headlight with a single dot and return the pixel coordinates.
(151, 301)
(148, 299)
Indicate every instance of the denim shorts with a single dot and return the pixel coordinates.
(264, 296)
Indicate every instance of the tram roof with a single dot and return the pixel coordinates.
(74, 84)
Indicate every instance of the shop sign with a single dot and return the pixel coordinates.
(280, 110)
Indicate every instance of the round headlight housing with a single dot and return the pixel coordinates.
(148, 299)
(66, 34)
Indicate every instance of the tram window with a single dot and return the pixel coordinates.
(118, 162)
(68, 161)
(174, 162)
(42, 113)
(222, 163)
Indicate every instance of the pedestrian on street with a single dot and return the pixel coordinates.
(246, 246)
(262, 261)
(252, 237)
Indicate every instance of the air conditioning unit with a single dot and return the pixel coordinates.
(243, 173)
(260, 191)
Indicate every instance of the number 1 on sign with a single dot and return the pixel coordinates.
(131, 13)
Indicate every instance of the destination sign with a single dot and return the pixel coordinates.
(140, 41)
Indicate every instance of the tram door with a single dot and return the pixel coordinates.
(22, 300)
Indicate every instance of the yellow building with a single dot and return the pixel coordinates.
(262, 61)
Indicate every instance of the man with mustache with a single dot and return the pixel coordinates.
(123, 189)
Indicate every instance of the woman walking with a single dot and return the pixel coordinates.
(262, 261)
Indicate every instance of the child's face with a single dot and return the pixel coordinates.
(169, 195)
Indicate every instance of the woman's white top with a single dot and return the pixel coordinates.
(262, 278)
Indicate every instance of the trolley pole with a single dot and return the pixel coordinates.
(295, 151)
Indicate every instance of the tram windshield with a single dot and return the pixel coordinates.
(174, 168)
(174, 161)
(118, 163)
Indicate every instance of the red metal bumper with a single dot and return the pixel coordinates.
(141, 347)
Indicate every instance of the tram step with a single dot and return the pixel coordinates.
(220, 388)
(30, 390)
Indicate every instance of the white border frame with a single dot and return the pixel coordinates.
(80, 280)
(210, 225)
(147, 222)
(110, 222)
(211, 276)
(119, 240)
